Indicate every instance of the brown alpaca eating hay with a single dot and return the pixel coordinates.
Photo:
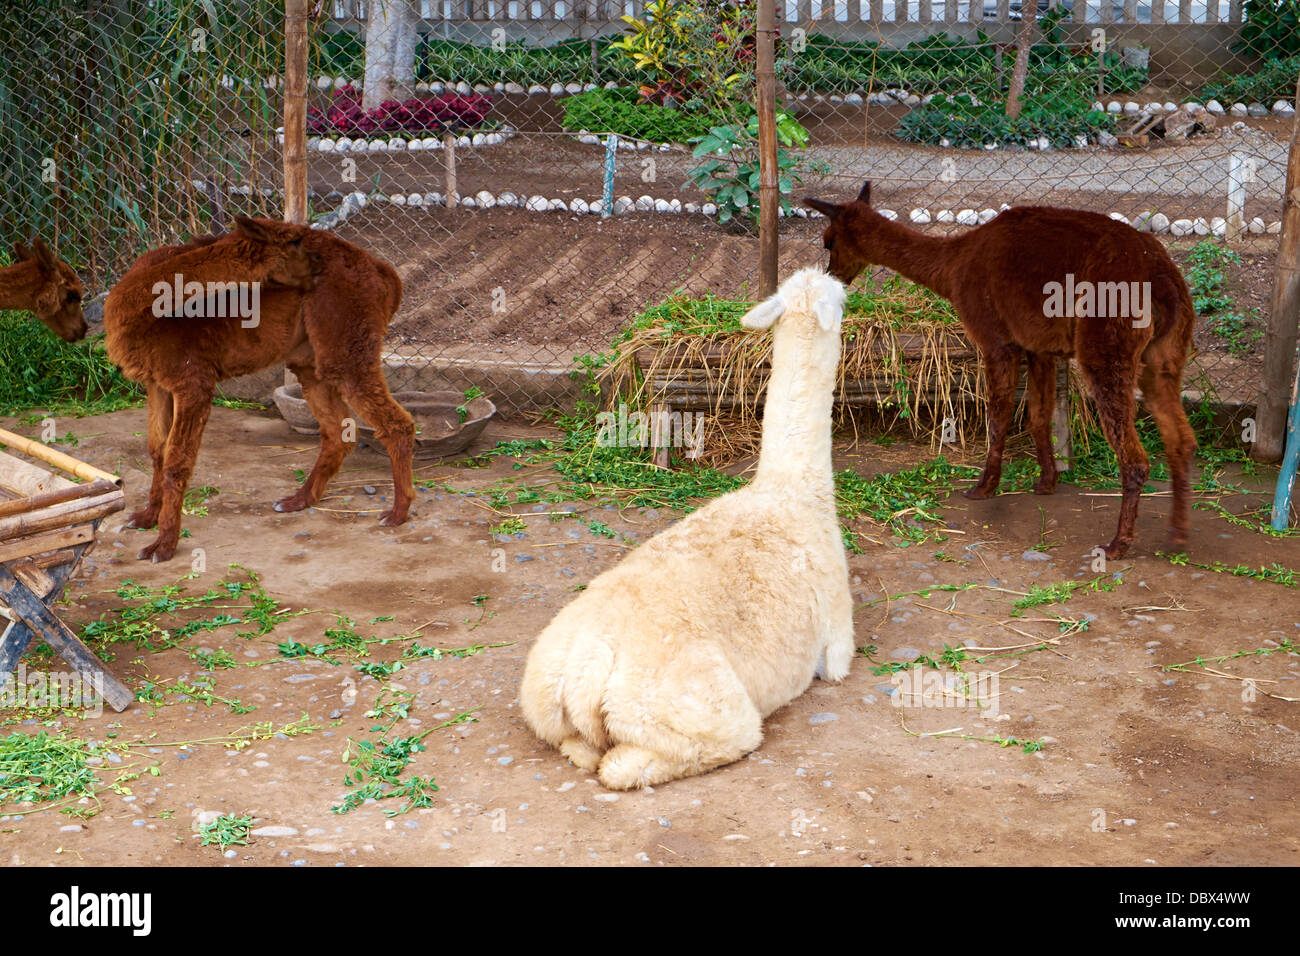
(176, 324)
(39, 282)
(1046, 284)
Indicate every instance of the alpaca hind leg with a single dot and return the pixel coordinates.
(1001, 370)
(369, 395)
(326, 403)
(190, 415)
(703, 720)
(160, 424)
(1163, 393)
(1117, 408)
(1042, 403)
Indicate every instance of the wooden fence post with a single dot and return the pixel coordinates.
(1283, 317)
(769, 196)
(295, 111)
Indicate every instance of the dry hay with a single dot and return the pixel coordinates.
(906, 367)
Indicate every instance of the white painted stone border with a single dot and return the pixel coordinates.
(483, 199)
(400, 143)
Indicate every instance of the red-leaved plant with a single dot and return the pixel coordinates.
(435, 114)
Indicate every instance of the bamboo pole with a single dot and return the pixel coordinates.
(56, 458)
(37, 502)
(295, 111)
(1283, 317)
(769, 196)
(61, 516)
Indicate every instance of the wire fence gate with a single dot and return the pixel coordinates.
(542, 173)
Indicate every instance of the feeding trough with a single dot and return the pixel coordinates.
(446, 423)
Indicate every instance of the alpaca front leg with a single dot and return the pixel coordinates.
(190, 416)
(841, 644)
(159, 403)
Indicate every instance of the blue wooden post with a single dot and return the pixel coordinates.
(1290, 462)
(607, 199)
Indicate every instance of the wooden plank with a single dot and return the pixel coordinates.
(62, 516)
(40, 544)
(23, 479)
(36, 502)
(53, 559)
(37, 581)
(43, 621)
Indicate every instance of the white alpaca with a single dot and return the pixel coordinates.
(666, 665)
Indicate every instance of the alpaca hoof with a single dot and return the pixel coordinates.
(1177, 542)
(291, 503)
(1045, 489)
(390, 519)
(157, 552)
(141, 519)
(978, 494)
(580, 753)
(1116, 550)
(630, 768)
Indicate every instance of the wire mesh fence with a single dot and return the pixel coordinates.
(542, 173)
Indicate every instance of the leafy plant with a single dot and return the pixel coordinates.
(418, 115)
(731, 176)
(964, 121)
(1204, 273)
(622, 111)
(226, 830)
(689, 50)
(1270, 28)
(1272, 79)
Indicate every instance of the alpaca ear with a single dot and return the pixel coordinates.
(764, 314)
(830, 310)
(828, 209)
(43, 255)
(252, 229)
(865, 194)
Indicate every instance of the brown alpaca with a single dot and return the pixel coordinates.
(324, 306)
(998, 278)
(39, 282)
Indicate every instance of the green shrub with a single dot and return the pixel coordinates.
(1270, 28)
(1273, 80)
(622, 111)
(964, 124)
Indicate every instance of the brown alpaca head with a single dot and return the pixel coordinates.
(285, 260)
(849, 237)
(56, 292)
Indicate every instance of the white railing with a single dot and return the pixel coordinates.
(897, 12)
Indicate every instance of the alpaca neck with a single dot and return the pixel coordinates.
(797, 414)
(913, 255)
(16, 285)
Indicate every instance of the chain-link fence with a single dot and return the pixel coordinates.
(542, 173)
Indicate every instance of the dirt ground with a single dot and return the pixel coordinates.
(1137, 765)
